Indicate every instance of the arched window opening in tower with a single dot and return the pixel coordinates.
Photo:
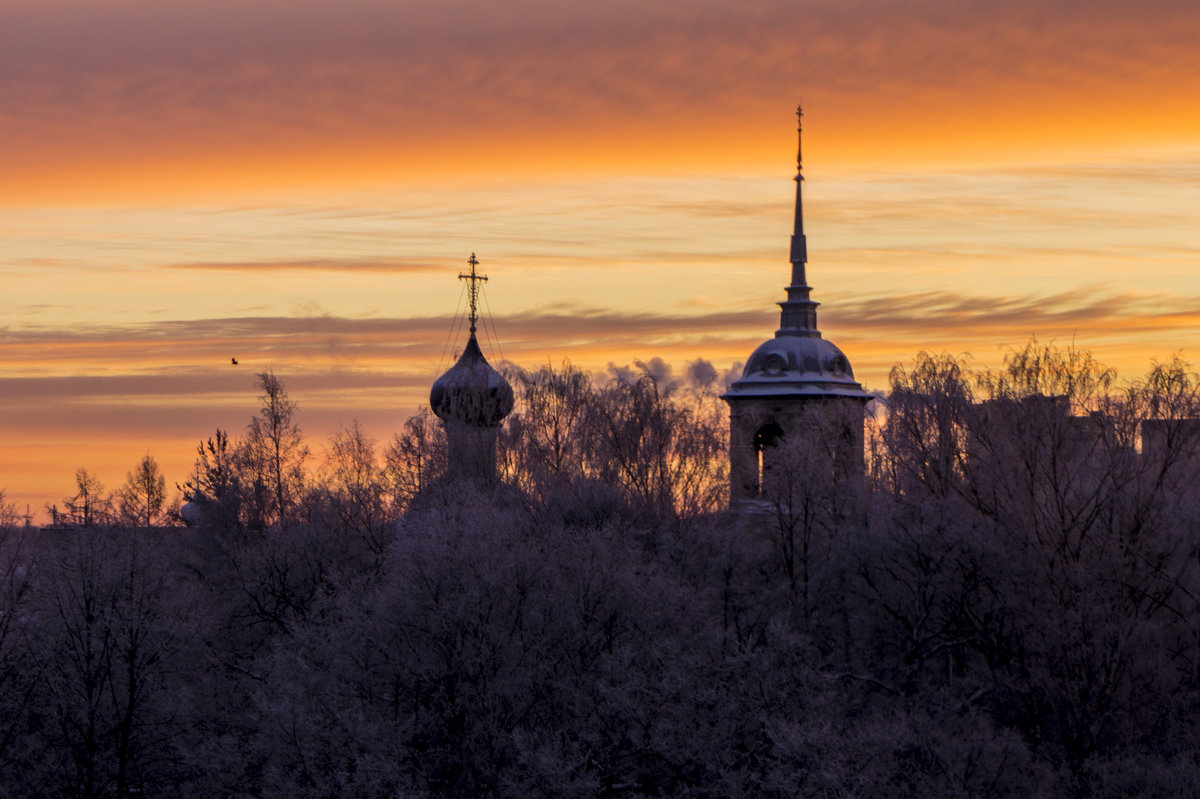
(766, 440)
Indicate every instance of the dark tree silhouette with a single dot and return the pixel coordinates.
(144, 493)
(89, 506)
(273, 456)
(1004, 604)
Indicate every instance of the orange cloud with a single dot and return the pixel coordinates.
(232, 95)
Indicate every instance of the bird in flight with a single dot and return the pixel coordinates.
(233, 361)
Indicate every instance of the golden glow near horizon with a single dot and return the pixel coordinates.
(297, 185)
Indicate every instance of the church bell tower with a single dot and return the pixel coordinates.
(797, 392)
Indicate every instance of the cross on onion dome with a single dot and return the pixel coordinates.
(473, 290)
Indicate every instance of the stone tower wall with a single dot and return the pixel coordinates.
(827, 430)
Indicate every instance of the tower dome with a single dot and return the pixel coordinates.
(791, 365)
(471, 392)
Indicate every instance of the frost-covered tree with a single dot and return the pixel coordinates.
(415, 458)
(105, 637)
(1005, 606)
(216, 485)
(353, 492)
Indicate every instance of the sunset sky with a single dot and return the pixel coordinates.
(297, 183)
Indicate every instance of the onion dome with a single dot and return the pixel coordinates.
(471, 392)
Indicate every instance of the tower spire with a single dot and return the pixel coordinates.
(473, 290)
(799, 312)
(799, 243)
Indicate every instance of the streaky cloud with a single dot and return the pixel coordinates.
(948, 315)
(172, 353)
(185, 388)
(386, 266)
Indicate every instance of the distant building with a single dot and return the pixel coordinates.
(1008, 430)
(1165, 439)
(796, 387)
(471, 399)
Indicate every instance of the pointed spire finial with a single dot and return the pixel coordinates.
(473, 290)
(799, 129)
(799, 315)
(799, 244)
